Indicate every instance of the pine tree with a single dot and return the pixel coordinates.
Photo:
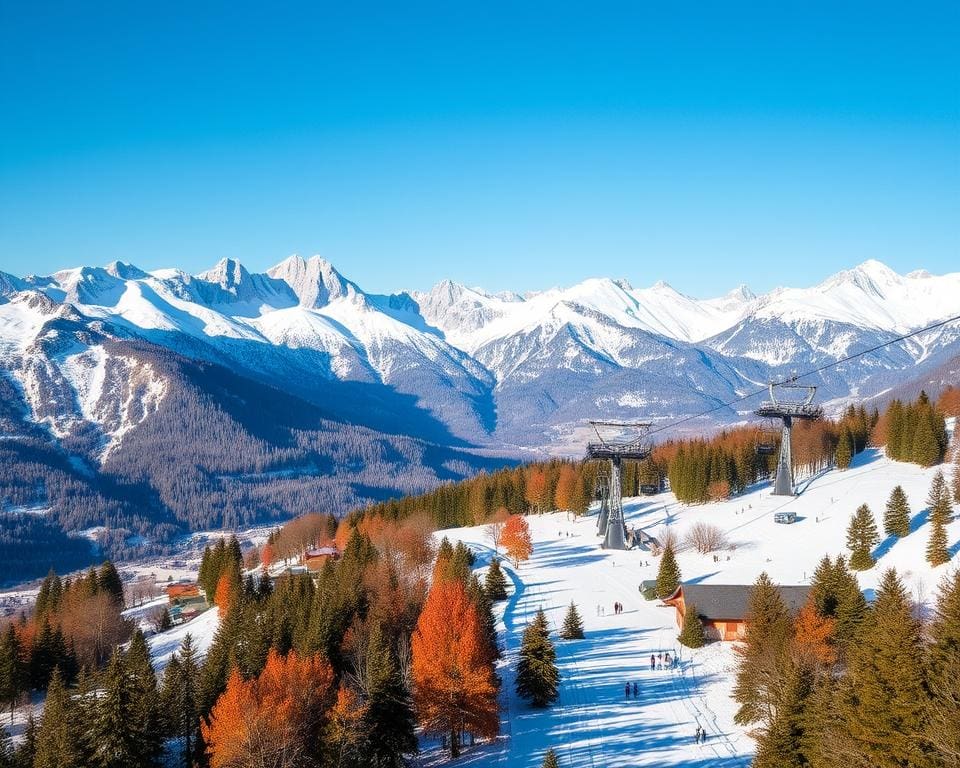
(572, 624)
(538, 678)
(943, 673)
(114, 735)
(781, 744)
(836, 594)
(57, 738)
(941, 515)
(180, 697)
(495, 582)
(926, 449)
(145, 700)
(760, 658)
(862, 537)
(550, 759)
(691, 633)
(389, 717)
(896, 521)
(109, 582)
(668, 576)
(844, 452)
(956, 480)
(882, 696)
(488, 623)
(12, 673)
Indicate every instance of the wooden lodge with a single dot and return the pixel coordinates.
(313, 559)
(182, 589)
(723, 607)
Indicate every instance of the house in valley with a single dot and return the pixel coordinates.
(723, 607)
(313, 559)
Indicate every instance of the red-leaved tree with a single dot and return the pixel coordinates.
(454, 685)
(274, 719)
(516, 539)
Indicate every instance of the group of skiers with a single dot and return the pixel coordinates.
(626, 690)
(700, 736)
(618, 608)
(662, 661)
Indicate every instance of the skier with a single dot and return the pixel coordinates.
(626, 690)
(696, 735)
(666, 659)
(653, 662)
(636, 690)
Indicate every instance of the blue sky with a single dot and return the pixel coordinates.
(500, 146)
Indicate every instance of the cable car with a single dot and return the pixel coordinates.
(766, 449)
(649, 490)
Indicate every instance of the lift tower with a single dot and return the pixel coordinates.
(616, 441)
(787, 410)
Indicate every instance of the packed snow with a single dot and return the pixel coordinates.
(593, 724)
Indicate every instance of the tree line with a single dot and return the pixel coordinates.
(846, 683)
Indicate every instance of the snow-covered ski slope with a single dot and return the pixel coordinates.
(593, 724)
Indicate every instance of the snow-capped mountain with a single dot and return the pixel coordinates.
(462, 364)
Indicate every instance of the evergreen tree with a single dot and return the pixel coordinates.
(691, 633)
(550, 759)
(760, 658)
(836, 594)
(781, 745)
(180, 696)
(109, 582)
(572, 624)
(896, 521)
(113, 731)
(461, 562)
(488, 623)
(495, 582)
(941, 515)
(862, 537)
(537, 675)
(145, 700)
(389, 717)
(956, 480)
(25, 754)
(57, 741)
(12, 673)
(943, 674)
(668, 576)
(43, 656)
(6, 750)
(844, 452)
(927, 449)
(882, 696)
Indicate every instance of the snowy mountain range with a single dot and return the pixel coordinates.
(460, 365)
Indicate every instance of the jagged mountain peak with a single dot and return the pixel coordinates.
(314, 281)
(228, 273)
(125, 271)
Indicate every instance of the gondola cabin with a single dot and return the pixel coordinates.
(649, 490)
(766, 449)
(785, 518)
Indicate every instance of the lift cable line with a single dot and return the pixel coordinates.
(793, 379)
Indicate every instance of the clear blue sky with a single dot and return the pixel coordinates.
(766, 143)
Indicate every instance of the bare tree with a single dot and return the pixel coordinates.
(494, 529)
(705, 538)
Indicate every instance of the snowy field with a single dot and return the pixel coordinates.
(593, 724)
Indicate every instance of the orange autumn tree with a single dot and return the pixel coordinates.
(274, 719)
(266, 556)
(454, 685)
(813, 636)
(516, 539)
(226, 592)
(537, 490)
